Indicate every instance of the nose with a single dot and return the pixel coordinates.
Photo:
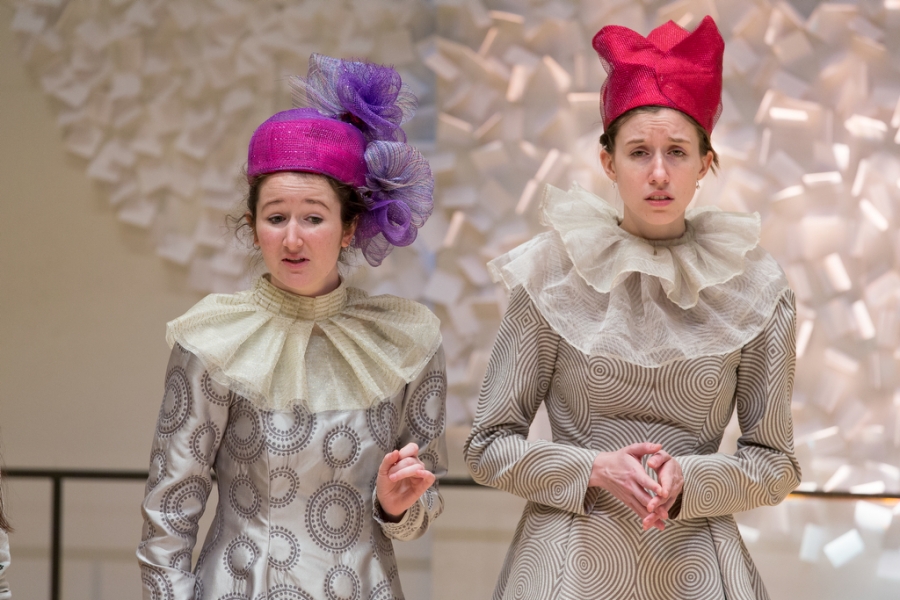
(658, 172)
(293, 241)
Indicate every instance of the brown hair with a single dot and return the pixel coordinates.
(608, 139)
(352, 204)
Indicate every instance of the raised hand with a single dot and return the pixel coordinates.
(622, 475)
(402, 479)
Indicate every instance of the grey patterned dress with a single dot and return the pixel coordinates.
(575, 542)
(296, 517)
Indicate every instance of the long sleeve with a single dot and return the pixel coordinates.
(191, 422)
(5, 593)
(518, 379)
(423, 421)
(764, 469)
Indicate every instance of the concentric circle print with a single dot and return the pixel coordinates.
(334, 516)
(602, 561)
(341, 447)
(243, 497)
(183, 503)
(208, 386)
(157, 469)
(425, 408)
(203, 442)
(283, 485)
(383, 422)
(176, 404)
(287, 592)
(342, 583)
(284, 549)
(288, 432)
(243, 435)
(382, 591)
(240, 556)
(689, 388)
(680, 563)
(157, 583)
(181, 561)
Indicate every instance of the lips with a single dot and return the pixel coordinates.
(659, 200)
(295, 261)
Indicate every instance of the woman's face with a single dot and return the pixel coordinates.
(299, 230)
(656, 164)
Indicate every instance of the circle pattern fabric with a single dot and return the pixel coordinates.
(425, 409)
(288, 432)
(334, 516)
(181, 505)
(176, 403)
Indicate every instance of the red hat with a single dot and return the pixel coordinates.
(670, 67)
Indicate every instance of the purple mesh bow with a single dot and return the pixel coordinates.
(402, 199)
(369, 96)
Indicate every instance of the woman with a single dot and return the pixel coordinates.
(641, 334)
(320, 409)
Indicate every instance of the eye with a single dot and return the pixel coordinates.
(638, 153)
(275, 219)
(315, 220)
(679, 152)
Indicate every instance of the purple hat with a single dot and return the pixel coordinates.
(350, 130)
(302, 139)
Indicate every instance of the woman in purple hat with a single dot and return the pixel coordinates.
(320, 408)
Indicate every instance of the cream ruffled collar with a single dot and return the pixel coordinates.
(341, 351)
(710, 252)
(610, 293)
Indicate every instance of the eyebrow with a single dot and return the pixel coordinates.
(305, 200)
(671, 139)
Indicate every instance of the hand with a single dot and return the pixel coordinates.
(671, 479)
(402, 479)
(621, 474)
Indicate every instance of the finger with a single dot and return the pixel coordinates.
(427, 478)
(410, 471)
(658, 460)
(645, 482)
(639, 450)
(387, 462)
(641, 495)
(403, 463)
(650, 521)
(411, 449)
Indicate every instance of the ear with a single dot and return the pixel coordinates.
(249, 218)
(349, 232)
(705, 164)
(608, 163)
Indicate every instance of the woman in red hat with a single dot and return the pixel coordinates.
(320, 408)
(641, 333)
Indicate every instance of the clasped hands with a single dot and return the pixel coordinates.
(622, 475)
(402, 479)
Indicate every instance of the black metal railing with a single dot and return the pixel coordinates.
(57, 476)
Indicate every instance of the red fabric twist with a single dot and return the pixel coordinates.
(671, 67)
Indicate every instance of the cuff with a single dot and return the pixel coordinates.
(407, 527)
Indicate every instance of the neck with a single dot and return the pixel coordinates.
(327, 285)
(653, 231)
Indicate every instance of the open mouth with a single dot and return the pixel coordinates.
(659, 199)
(295, 261)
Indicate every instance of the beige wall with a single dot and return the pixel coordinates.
(82, 313)
(84, 300)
